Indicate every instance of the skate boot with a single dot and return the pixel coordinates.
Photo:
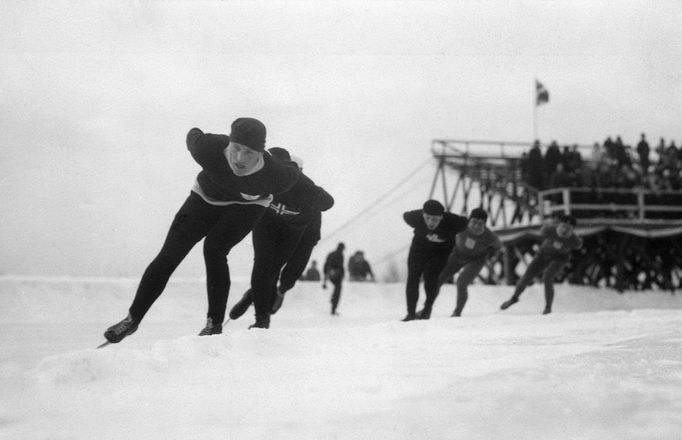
(409, 317)
(262, 321)
(279, 298)
(117, 332)
(242, 305)
(456, 313)
(547, 311)
(424, 313)
(511, 301)
(211, 328)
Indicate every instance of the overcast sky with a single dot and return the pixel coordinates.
(97, 97)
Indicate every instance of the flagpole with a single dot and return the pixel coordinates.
(535, 121)
(535, 114)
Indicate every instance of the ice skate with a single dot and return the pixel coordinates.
(409, 317)
(211, 328)
(424, 313)
(279, 298)
(511, 301)
(242, 305)
(261, 322)
(117, 332)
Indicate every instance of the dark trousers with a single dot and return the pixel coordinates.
(336, 281)
(299, 259)
(547, 265)
(223, 227)
(427, 264)
(469, 271)
(274, 242)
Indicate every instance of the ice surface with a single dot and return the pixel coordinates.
(602, 366)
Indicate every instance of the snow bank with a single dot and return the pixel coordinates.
(603, 366)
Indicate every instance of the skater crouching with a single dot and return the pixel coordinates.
(558, 240)
(276, 238)
(230, 195)
(433, 239)
(473, 247)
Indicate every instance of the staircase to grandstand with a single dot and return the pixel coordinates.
(632, 237)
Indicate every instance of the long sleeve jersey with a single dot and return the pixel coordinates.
(443, 236)
(553, 245)
(301, 204)
(217, 184)
(469, 246)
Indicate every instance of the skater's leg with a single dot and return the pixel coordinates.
(549, 275)
(233, 226)
(467, 275)
(191, 224)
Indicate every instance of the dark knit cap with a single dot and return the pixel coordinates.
(568, 219)
(280, 154)
(249, 132)
(433, 207)
(479, 213)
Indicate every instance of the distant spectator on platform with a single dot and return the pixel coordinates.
(552, 158)
(560, 178)
(596, 156)
(643, 151)
(359, 268)
(536, 168)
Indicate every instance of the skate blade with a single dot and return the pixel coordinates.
(104, 344)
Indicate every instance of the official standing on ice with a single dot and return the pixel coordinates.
(434, 237)
(334, 272)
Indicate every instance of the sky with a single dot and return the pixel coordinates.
(97, 98)
(602, 366)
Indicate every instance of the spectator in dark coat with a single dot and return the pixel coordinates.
(643, 150)
(334, 272)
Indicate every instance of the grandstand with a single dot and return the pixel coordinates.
(632, 236)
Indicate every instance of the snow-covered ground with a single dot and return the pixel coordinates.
(603, 366)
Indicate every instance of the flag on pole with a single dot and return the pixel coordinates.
(541, 93)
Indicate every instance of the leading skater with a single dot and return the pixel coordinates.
(434, 237)
(230, 195)
(559, 240)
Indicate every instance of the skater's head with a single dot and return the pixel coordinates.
(341, 246)
(477, 220)
(566, 224)
(248, 132)
(433, 212)
(247, 143)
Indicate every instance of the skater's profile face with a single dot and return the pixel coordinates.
(243, 160)
(432, 221)
(476, 226)
(563, 230)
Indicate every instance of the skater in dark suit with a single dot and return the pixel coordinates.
(334, 272)
(434, 237)
(473, 247)
(230, 195)
(558, 240)
(275, 240)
